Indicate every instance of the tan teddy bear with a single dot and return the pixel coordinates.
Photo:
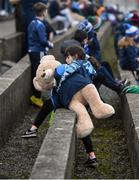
(44, 80)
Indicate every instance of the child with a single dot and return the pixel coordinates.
(128, 52)
(82, 74)
(91, 47)
(37, 44)
(93, 43)
(103, 75)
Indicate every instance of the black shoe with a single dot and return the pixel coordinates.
(29, 134)
(122, 88)
(91, 163)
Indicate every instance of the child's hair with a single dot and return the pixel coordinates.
(124, 42)
(75, 51)
(94, 62)
(80, 35)
(39, 8)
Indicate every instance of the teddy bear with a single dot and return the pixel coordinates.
(88, 95)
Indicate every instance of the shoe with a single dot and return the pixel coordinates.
(125, 82)
(134, 89)
(29, 134)
(36, 101)
(121, 90)
(61, 31)
(91, 163)
(122, 86)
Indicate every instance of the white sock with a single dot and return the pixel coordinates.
(33, 128)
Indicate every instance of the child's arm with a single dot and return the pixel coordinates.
(43, 36)
(66, 70)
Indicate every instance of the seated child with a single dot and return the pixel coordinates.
(103, 75)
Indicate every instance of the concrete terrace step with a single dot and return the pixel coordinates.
(130, 115)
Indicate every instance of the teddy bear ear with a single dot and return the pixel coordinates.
(36, 85)
(47, 58)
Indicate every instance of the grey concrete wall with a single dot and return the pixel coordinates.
(13, 46)
(130, 116)
(1, 52)
(56, 156)
(104, 33)
(15, 89)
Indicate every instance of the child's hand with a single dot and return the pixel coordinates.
(50, 44)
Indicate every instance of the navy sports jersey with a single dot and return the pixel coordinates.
(37, 36)
(72, 78)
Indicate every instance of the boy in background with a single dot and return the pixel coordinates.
(38, 45)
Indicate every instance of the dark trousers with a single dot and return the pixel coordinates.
(104, 77)
(45, 110)
(88, 144)
(108, 68)
(35, 61)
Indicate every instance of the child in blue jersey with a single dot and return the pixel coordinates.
(104, 75)
(37, 44)
(71, 77)
(74, 76)
(128, 52)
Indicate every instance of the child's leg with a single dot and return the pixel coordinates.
(91, 161)
(105, 78)
(45, 110)
(108, 67)
(35, 61)
(88, 146)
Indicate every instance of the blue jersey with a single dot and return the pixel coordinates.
(127, 56)
(72, 78)
(37, 37)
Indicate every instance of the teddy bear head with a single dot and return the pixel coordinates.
(44, 79)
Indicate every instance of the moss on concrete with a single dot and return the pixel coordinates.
(18, 155)
(109, 54)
